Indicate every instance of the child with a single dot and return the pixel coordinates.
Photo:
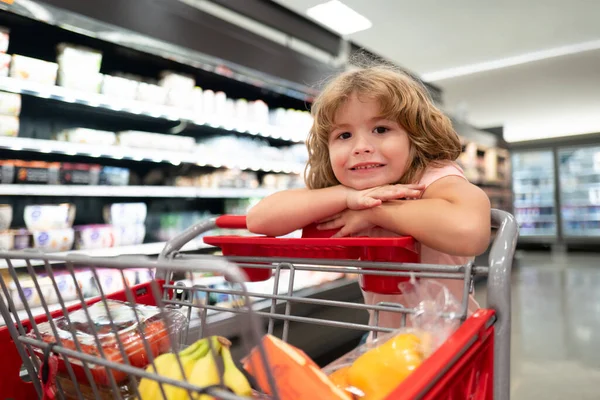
(381, 163)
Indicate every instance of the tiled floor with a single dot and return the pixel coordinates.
(556, 327)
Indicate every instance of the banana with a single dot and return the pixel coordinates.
(167, 366)
(233, 378)
(206, 372)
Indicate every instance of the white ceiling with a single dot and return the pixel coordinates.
(551, 97)
(431, 35)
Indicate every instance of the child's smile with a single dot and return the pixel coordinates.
(366, 149)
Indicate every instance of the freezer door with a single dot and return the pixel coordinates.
(534, 193)
(579, 178)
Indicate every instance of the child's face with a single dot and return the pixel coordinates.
(365, 149)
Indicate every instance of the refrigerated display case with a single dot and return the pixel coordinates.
(579, 189)
(535, 205)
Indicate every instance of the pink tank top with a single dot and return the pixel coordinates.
(428, 256)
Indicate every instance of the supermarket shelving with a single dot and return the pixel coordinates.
(134, 107)
(142, 154)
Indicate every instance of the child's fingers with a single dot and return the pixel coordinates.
(338, 223)
(341, 233)
(330, 218)
(397, 192)
(369, 202)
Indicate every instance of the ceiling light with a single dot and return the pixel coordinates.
(336, 15)
(510, 61)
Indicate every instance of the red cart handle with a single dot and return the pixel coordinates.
(231, 222)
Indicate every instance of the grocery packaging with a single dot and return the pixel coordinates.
(9, 126)
(79, 68)
(296, 375)
(151, 93)
(197, 101)
(119, 87)
(200, 362)
(22, 239)
(125, 213)
(10, 104)
(375, 369)
(5, 64)
(89, 136)
(54, 240)
(6, 215)
(73, 391)
(34, 70)
(31, 295)
(129, 235)
(7, 171)
(49, 216)
(37, 172)
(79, 174)
(158, 141)
(6, 240)
(88, 237)
(4, 39)
(155, 327)
(114, 176)
(175, 81)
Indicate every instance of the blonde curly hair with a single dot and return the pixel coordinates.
(402, 99)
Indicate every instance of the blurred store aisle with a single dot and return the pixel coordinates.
(556, 327)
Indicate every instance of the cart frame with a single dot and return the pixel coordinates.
(166, 292)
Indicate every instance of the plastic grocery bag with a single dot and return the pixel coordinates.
(375, 369)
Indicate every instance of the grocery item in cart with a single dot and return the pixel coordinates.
(296, 376)
(376, 368)
(155, 327)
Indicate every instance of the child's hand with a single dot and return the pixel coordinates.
(368, 198)
(350, 222)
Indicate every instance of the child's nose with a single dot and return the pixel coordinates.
(363, 146)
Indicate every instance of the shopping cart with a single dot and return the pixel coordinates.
(473, 363)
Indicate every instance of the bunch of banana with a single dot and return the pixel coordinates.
(200, 368)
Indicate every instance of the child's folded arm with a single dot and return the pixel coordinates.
(289, 210)
(452, 217)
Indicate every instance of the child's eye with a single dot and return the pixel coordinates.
(380, 129)
(345, 135)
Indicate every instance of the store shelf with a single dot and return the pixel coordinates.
(145, 249)
(130, 191)
(134, 107)
(530, 204)
(583, 233)
(538, 218)
(536, 232)
(158, 156)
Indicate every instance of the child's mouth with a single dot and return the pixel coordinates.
(367, 166)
